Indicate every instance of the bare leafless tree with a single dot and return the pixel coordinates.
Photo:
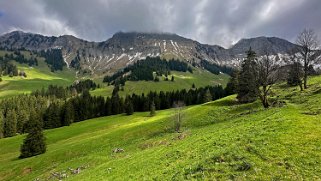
(308, 44)
(268, 75)
(179, 105)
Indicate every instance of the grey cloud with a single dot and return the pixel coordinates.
(220, 22)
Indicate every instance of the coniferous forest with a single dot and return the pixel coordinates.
(58, 106)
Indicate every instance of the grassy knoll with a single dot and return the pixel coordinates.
(37, 77)
(183, 80)
(219, 140)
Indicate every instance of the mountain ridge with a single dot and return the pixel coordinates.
(124, 48)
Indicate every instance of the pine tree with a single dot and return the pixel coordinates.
(10, 124)
(247, 85)
(232, 85)
(115, 104)
(34, 143)
(52, 117)
(207, 96)
(152, 109)
(68, 114)
(108, 106)
(129, 108)
(22, 119)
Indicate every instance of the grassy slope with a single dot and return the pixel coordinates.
(38, 77)
(183, 80)
(41, 76)
(221, 140)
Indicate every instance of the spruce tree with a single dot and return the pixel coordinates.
(34, 143)
(68, 114)
(129, 108)
(152, 109)
(108, 106)
(22, 119)
(247, 85)
(115, 104)
(207, 96)
(52, 116)
(10, 124)
(232, 85)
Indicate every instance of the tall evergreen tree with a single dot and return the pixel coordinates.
(10, 124)
(207, 97)
(22, 119)
(247, 85)
(34, 143)
(129, 108)
(108, 106)
(52, 116)
(68, 116)
(232, 85)
(152, 109)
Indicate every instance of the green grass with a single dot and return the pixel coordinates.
(183, 80)
(38, 77)
(221, 140)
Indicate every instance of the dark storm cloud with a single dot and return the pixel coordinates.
(209, 21)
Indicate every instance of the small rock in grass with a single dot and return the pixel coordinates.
(118, 150)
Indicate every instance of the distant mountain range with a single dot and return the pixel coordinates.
(123, 49)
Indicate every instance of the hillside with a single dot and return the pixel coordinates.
(38, 77)
(183, 80)
(219, 140)
(123, 49)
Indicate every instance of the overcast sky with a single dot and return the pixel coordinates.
(221, 22)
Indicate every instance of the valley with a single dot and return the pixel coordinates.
(230, 141)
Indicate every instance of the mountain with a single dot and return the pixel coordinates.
(123, 49)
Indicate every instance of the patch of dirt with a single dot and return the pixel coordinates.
(26, 171)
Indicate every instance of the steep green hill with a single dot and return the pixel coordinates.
(219, 140)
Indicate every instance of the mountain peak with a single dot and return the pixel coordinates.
(261, 44)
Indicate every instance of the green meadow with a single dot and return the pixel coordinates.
(38, 77)
(220, 140)
(182, 80)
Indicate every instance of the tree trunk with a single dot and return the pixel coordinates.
(265, 102)
(305, 80)
(300, 85)
(264, 98)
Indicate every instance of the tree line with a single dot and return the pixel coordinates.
(56, 110)
(60, 92)
(8, 68)
(144, 70)
(54, 59)
(215, 69)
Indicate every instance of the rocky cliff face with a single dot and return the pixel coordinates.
(125, 48)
